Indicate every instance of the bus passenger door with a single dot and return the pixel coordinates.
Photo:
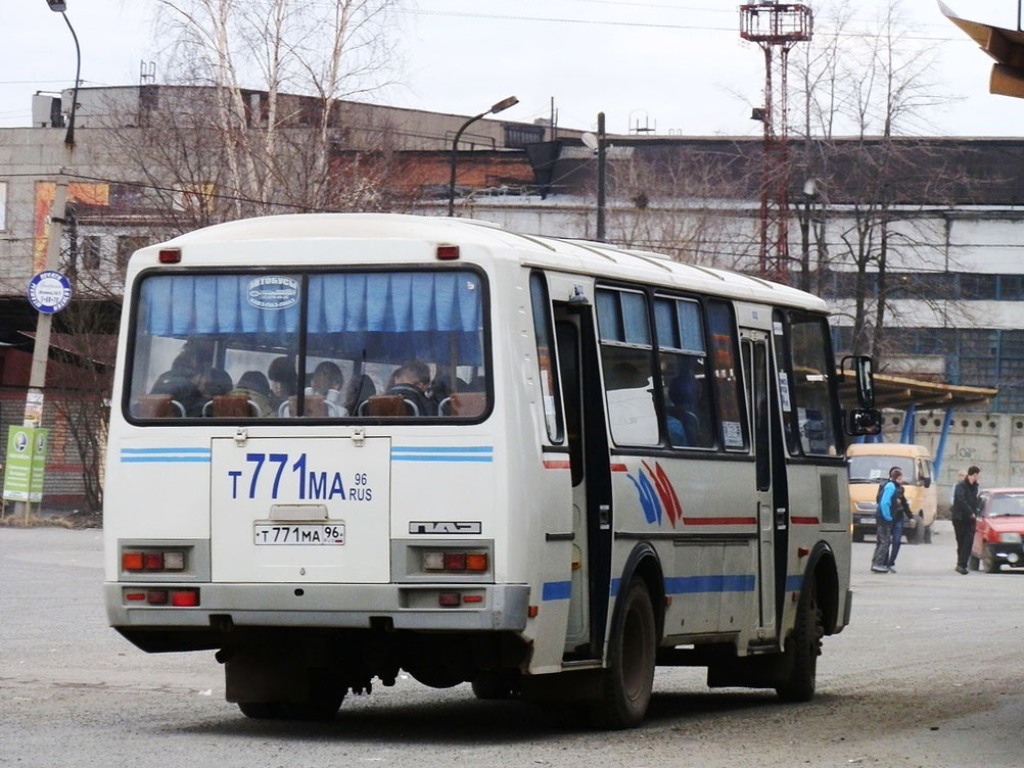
(591, 477)
(772, 489)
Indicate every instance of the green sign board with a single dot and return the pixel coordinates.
(25, 465)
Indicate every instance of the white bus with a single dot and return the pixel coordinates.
(539, 466)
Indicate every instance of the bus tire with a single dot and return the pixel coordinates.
(800, 661)
(260, 710)
(493, 686)
(629, 679)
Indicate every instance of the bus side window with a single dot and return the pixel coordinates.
(627, 360)
(725, 372)
(544, 338)
(683, 352)
(803, 357)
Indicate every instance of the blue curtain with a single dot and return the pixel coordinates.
(388, 315)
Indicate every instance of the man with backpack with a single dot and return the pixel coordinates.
(900, 509)
(888, 510)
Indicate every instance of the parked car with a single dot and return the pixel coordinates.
(999, 533)
(869, 465)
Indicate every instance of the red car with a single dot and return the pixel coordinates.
(999, 533)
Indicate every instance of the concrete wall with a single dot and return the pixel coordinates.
(992, 441)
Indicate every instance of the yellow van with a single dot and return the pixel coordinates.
(869, 465)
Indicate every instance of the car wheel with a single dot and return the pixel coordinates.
(992, 564)
(916, 534)
(928, 535)
(858, 535)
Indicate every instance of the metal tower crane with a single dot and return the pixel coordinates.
(776, 28)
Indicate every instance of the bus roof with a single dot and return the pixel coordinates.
(562, 254)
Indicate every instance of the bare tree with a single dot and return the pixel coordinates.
(874, 85)
(692, 206)
(273, 147)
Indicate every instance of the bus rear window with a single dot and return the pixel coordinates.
(339, 345)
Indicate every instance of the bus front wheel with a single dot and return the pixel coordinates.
(629, 679)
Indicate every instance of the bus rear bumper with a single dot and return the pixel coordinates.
(450, 607)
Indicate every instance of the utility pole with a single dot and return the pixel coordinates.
(602, 163)
(775, 27)
(49, 292)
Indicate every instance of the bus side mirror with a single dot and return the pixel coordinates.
(863, 421)
(863, 370)
(926, 482)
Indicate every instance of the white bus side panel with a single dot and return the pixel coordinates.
(701, 517)
(142, 504)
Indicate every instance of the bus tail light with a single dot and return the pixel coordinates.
(185, 598)
(177, 598)
(455, 561)
(457, 599)
(447, 252)
(152, 561)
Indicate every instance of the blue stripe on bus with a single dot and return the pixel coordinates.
(678, 585)
(477, 453)
(690, 585)
(165, 455)
(556, 590)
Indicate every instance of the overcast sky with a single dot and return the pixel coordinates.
(677, 66)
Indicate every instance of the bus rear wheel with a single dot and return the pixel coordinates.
(627, 683)
(800, 661)
(495, 685)
(321, 703)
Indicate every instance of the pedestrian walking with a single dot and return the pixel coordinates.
(964, 514)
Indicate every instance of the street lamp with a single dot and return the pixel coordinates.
(502, 105)
(59, 6)
(49, 291)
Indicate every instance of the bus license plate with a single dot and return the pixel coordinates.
(299, 534)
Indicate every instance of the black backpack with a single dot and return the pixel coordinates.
(899, 500)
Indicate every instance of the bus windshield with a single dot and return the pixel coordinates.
(238, 345)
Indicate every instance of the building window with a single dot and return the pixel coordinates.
(3, 205)
(127, 245)
(91, 246)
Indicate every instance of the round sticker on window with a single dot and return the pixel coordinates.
(273, 292)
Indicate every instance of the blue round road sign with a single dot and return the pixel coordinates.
(49, 292)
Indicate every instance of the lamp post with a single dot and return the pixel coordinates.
(812, 215)
(49, 290)
(495, 109)
(41, 347)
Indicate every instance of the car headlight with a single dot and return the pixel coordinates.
(1009, 538)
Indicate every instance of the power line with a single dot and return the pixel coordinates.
(733, 29)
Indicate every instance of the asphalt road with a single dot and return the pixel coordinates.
(927, 675)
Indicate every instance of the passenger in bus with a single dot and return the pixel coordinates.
(254, 385)
(440, 389)
(359, 390)
(180, 383)
(412, 382)
(283, 380)
(684, 427)
(212, 382)
(327, 382)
